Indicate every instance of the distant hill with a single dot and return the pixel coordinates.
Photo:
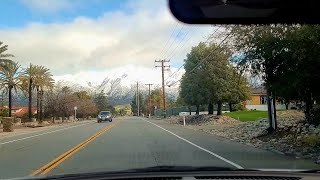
(117, 93)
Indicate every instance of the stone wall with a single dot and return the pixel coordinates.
(8, 123)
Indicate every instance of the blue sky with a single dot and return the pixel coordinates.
(83, 40)
(24, 12)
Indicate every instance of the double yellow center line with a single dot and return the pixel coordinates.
(54, 163)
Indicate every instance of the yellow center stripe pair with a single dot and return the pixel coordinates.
(54, 163)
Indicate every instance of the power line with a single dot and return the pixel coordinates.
(170, 37)
(212, 34)
(172, 41)
(182, 46)
(172, 53)
(172, 33)
(209, 54)
(204, 59)
(216, 30)
(174, 72)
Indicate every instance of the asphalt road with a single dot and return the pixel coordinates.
(128, 143)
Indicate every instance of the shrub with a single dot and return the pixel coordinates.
(25, 117)
(240, 107)
(313, 117)
(4, 112)
(311, 140)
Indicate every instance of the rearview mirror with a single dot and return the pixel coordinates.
(245, 11)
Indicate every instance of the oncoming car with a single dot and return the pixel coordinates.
(104, 116)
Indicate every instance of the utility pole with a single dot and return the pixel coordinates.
(149, 100)
(30, 95)
(163, 66)
(137, 100)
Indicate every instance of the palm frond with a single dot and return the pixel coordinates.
(3, 56)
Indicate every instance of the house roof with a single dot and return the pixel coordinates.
(259, 90)
(20, 111)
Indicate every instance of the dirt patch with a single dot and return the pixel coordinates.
(202, 120)
(295, 137)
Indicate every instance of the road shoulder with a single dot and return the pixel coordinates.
(30, 130)
(242, 154)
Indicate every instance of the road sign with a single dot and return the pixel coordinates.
(184, 113)
(75, 112)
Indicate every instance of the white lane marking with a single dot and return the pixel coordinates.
(15, 140)
(204, 149)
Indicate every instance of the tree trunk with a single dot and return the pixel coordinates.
(41, 102)
(64, 115)
(210, 108)
(198, 109)
(189, 110)
(38, 111)
(30, 99)
(309, 103)
(230, 107)
(271, 112)
(287, 106)
(219, 110)
(10, 100)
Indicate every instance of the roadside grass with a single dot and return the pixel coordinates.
(247, 115)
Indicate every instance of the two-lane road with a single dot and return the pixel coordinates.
(130, 143)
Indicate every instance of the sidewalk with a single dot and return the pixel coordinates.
(28, 130)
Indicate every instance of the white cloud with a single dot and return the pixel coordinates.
(89, 49)
(51, 6)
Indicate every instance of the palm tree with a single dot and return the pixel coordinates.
(40, 79)
(10, 78)
(45, 84)
(4, 57)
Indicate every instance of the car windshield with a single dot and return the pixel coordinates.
(180, 95)
(105, 113)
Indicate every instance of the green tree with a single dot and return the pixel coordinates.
(285, 56)
(123, 110)
(102, 104)
(210, 78)
(239, 89)
(82, 95)
(10, 77)
(156, 98)
(134, 106)
(303, 72)
(218, 77)
(193, 85)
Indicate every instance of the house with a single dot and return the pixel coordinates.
(258, 100)
(21, 111)
(258, 96)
